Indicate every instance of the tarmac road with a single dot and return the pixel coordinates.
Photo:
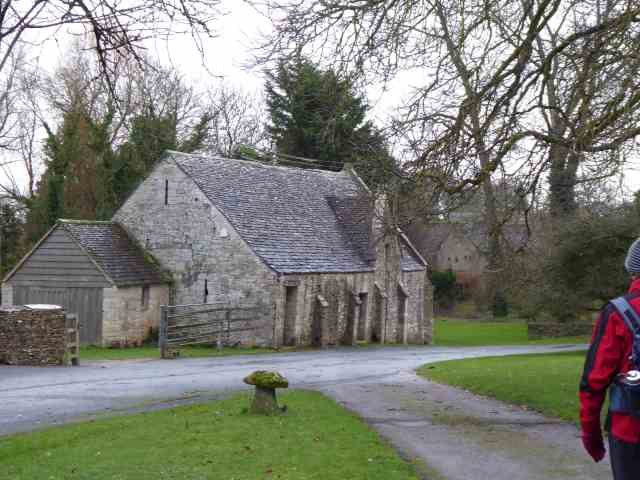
(35, 397)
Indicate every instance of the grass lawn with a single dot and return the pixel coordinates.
(448, 333)
(547, 383)
(316, 439)
(459, 333)
(92, 353)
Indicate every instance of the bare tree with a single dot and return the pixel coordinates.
(588, 97)
(136, 87)
(21, 171)
(485, 103)
(238, 118)
(117, 28)
(19, 163)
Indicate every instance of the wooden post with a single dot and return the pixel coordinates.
(162, 334)
(73, 343)
(75, 360)
(224, 325)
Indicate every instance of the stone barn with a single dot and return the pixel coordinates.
(93, 269)
(303, 242)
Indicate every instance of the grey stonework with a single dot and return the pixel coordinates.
(192, 237)
(32, 337)
(195, 243)
(343, 319)
(126, 320)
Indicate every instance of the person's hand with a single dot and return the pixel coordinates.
(594, 444)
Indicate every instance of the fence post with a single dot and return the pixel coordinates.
(72, 346)
(221, 329)
(162, 333)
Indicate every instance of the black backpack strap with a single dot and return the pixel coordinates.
(628, 314)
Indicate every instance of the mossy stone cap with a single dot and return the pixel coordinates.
(266, 379)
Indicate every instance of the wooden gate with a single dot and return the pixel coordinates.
(86, 303)
(205, 323)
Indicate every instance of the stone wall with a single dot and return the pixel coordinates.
(337, 291)
(539, 330)
(344, 316)
(387, 276)
(126, 321)
(191, 238)
(428, 313)
(419, 310)
(7, 294)
(32, 337)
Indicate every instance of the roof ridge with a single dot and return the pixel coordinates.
(85, 222)
(258, 164)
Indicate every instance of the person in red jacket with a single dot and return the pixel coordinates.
(609, 355)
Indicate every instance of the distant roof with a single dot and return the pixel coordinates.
(297, 220)
(513, 236)
(115, 252)
(429, 238)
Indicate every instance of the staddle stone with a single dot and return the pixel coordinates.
(264, 399)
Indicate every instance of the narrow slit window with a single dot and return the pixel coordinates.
(145, 297)
(166, 192)
(206, 290)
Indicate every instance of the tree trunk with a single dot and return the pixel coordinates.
(495, 292)
(562, 181)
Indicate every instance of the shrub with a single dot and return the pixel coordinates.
(444, 288)
(575, 266)
(152, 336)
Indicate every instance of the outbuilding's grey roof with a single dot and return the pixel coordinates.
(115, 252)
(296, 220)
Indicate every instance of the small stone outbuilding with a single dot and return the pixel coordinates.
(97, 271)
(310, 245)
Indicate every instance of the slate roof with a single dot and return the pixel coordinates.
(115, 252)
(408, 261)
(296, 220)
(513, 236)
(431, 238)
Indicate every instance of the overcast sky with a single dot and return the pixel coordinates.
(226, 57)
(228, 54)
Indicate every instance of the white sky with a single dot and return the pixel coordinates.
(227, 55)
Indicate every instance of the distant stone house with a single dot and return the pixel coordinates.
(93, 269)
(303, 243)
(461, 247)
(448, 246)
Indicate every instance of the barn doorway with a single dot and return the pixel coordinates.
(316, 326)
(290, 312)
(84, 302)
(378, 314)
(402, 313)
(362, 317)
